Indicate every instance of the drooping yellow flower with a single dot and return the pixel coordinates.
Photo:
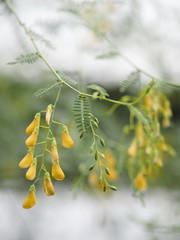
(110, 159)
(31, 140)
(30, 200)
(34, 124)
(93, 179)
(67, 141)
(31, 172)
(48, 186)
(49, 113)
(54, 152)
(148, 101)
(132, 149)
(139, 132)
(56, 171)
(27, 160)
(140, 182)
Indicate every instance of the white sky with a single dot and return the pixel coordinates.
(152, 41)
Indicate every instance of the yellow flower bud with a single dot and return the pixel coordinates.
(57, 172)
(49, 113)
(140, 182)
(31, 140)
(132, 149)
(110, 159)
(148, 171)
(148, 101)
(163, 147)
(31, 172)
(34, 124)
(166, 122)
(27, 160)
(48, 186)
(55, 155)
(66, 139)
(139, 131)
(30, 200)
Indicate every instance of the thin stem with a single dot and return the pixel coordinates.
(58, 123)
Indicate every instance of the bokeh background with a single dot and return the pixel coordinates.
(145, 31)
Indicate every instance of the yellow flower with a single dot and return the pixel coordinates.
(163, 146)
(147, 171)
(31, 172)
(57, 172)
(31, 140)
(93, 179)
(66, 139)
(54, 152)
(110, 159)
(27, 160)
(132, 149)
(158, 161)
(148, 101)
(166, 122)
(140, 134)
(48, 186)
(34, 124)
(140, 182)
(113, 176)
(49, 113)
(30, 200)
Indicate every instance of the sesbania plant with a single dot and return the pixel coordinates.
(149, 112)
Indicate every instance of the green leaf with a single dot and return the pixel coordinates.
(22, 59)
(82, 115)
(140, 116)
(111, 54)
(45, 91)
(99, 91)
(133, 78)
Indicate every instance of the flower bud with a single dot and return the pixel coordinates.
(140, 134)
(34, 124)
(31, 172)
(48, 186)
(148, 101)
(55, 155)
(27, 160)
(57, 172)
(31, 140)
(49, 113)
(66, 139)
(30, 200)
(166, 122)
(140, 182)
(132, 149)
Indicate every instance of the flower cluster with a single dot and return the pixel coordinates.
(31, 161)
(146, 151)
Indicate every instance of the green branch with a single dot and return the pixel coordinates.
(54, 72)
